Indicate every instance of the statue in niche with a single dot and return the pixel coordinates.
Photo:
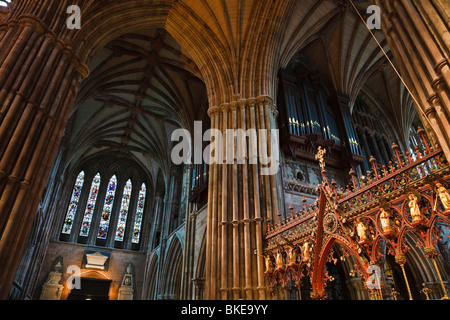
(385, 222)
(279, 260)
(292, 256)
(361, 230)
(414, 209)
(443, 195)
(306, 251)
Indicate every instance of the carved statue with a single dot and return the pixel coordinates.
(292, 256)
(267, 260)
(361, 230)
(268, 263)
(306, 249)
(443, 195)
(384, 219)
(279, 260)
(414, 208)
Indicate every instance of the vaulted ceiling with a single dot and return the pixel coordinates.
(349, 59)
(144, 84)
(141, 87)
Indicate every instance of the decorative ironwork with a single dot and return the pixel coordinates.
(410, 197)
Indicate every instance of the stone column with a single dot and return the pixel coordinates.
(358, 290)
(420, 52)
(240, 201)
(39, 79)
(362, 136)
(374, 145)
(381, 147)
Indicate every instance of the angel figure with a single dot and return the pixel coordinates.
(292, 256)
(268, 261)
(279, 260)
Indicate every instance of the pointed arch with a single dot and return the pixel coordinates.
(139, 214)
(317, 281)
(73, 204)
(172, 270)
(107, 208)
(89, 211)
(151, 275)
(123, 213)
(200, 271)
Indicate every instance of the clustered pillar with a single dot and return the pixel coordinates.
(240, 203)
(419, 39)
(39, 79)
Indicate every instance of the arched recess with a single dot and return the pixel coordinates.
(171, 276)
(318, 280)
(93, 275)
(200, 274)
(420, 269)
(93, 285)
(160, 193)
(151, 275)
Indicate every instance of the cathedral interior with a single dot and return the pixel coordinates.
(93, 207)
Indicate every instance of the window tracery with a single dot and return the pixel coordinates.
(73, 204)
(88, 213)
(139, 214)
(112, 216)
(107, 208)
(124, 207)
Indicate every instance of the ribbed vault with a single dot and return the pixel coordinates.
(345, 52)
(141, 87)
(394, 101)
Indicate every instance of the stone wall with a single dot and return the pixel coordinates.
(73, 254)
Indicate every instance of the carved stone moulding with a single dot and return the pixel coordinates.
(96, 260)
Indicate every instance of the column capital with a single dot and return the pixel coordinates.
(264, 100)
(213, 110)
(225, 107)
(61, 45)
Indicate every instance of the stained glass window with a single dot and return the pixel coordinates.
(67, 227)
(88, 213)
(123, 211)
(107, 208)
(139, 214)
